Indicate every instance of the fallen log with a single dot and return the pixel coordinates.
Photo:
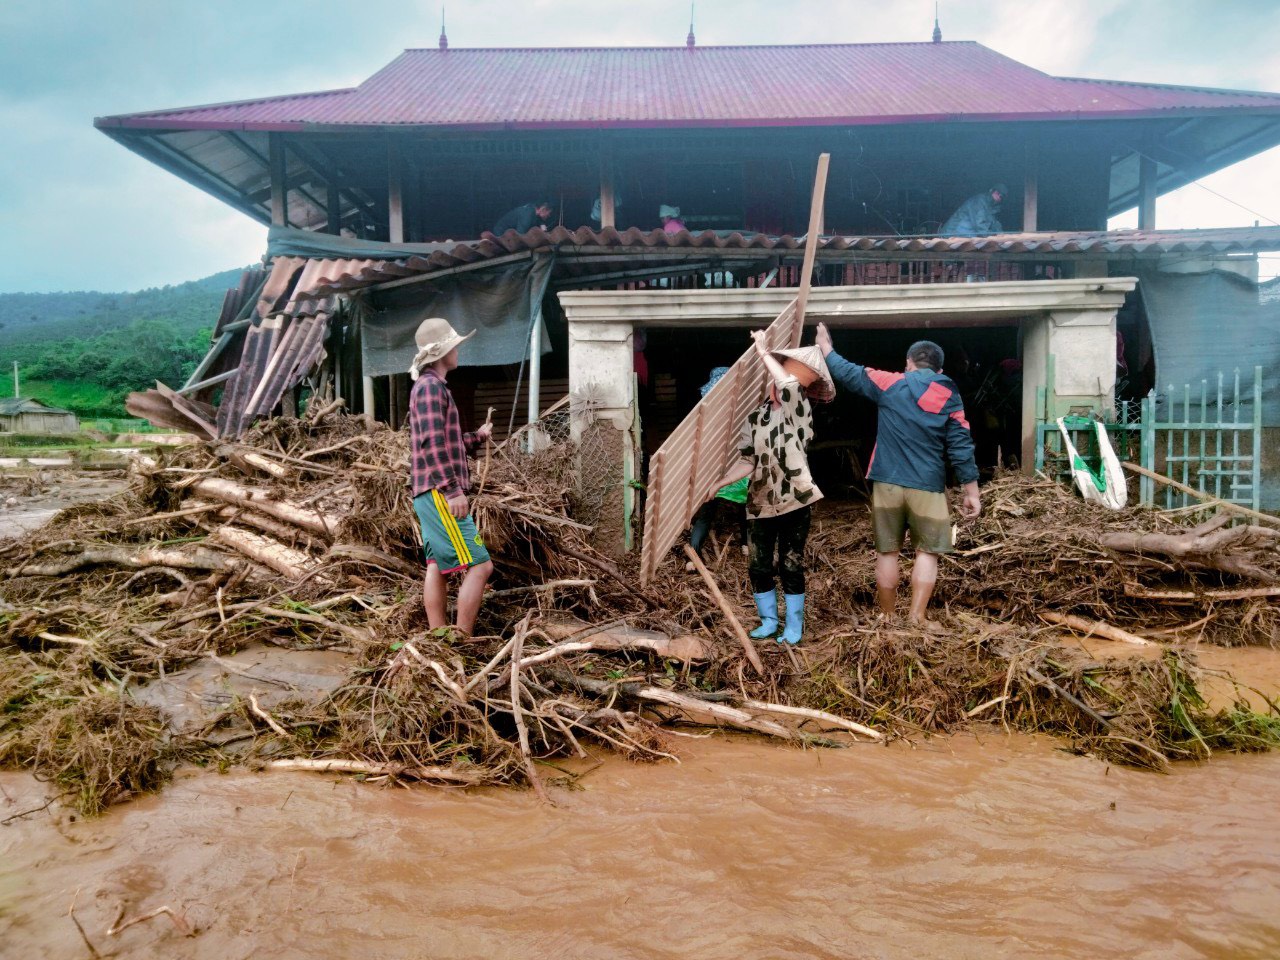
(286, 561)
(374, 557)
(137, 558)
(281, 531)
(339, 765)
(1247, 593)
(820, 715)
(1097, 628)
(1199, 495)
(686, 648)
(228, 491)
(695, 709)
(1234, 550)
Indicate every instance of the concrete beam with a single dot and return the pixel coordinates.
(926, 305)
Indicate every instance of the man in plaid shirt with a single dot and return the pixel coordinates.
(441, 480)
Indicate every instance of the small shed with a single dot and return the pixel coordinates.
(27, 415)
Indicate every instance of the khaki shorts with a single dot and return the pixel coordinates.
(894, 509)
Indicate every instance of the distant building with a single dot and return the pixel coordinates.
(25, 415)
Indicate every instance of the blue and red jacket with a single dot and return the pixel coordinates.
(922, 425)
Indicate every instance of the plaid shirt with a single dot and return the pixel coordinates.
(440, 448)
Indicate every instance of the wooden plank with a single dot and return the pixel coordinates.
(1031, 187)
(813, 237)
(1147, 171)
(279, 185)
(395, 195)
(210, 382)
(607, 206)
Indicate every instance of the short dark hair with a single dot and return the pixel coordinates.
(543, 203)
(926, 353)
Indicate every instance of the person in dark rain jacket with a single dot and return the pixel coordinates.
(921, 428)
(977, 215)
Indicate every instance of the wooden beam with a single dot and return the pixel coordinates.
(1147, 187)
(395, 194)
(1031, 187)
(812, 239)
(279, 183)
(333, 209)
(607, 207)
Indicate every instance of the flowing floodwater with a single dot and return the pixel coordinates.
(972, 846)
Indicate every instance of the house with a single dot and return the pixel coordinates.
(379, 200)
(27, 415)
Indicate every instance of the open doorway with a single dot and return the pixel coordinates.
(983, 361)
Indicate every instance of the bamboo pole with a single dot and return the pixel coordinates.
(1208, 499)
(726, 609)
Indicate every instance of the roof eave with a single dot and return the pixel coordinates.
(162, 124)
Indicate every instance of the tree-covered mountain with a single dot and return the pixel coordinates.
(87, 350)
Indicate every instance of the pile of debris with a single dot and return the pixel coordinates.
(300, 540)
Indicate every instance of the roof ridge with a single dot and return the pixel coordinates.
(1171, 86)
(685, 48)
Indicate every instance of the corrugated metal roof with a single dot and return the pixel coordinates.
(702, 448)
(329, 276)
(704, 86)
(12, 406)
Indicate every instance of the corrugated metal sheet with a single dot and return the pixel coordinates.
(701, 449)
(339, 276)
(705, 86)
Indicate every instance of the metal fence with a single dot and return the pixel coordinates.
(1209, 439)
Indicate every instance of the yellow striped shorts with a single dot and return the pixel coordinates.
(451, 544)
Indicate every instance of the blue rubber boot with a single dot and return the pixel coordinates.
(767, 605)
(795, 619)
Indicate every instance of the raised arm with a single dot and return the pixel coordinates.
(864, 381)
(770, 361)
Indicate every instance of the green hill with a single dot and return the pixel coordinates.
(86, 350)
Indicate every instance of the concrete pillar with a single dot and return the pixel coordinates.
(602, 398)
(600, 367)
(1072, 354)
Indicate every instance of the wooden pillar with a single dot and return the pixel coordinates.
(279, 184)
(1146, 193)
(607, 214)
(333, 207)
(1031, 187)
(395, 195)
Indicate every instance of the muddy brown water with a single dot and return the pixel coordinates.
(973, 846)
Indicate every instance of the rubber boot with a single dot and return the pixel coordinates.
(795, 619)
(767, 605)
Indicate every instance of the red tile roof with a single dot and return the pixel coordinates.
(550, 88)
(328, 275)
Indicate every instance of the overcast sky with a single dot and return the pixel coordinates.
(81, 212)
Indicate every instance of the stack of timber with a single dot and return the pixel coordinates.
(301, 538)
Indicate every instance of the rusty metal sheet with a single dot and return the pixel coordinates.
(705, 444)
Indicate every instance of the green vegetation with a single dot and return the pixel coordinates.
(87, 351)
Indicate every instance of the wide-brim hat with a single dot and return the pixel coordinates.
(667, 210)
(821, 388)
(435, 337)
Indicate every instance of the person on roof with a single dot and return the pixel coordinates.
(977, 215)
(773, 452)
(440, 480)
(921, 428)
(670, 216)
(524, 218)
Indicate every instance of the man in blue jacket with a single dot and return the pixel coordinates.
(921, 428)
